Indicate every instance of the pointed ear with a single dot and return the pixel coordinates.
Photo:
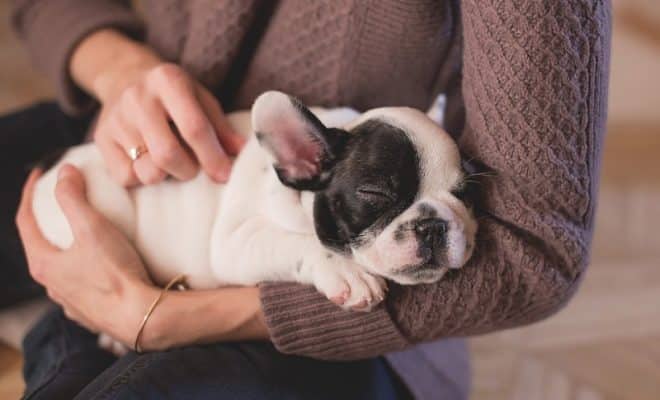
(303, 149)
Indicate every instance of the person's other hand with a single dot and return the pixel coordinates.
(100, 281)
(141, 106)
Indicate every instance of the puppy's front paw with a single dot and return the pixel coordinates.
(347, 284)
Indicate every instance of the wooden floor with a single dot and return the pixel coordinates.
(605, 345)
(11, 381)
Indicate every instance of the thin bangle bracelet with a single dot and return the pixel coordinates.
(179, 279)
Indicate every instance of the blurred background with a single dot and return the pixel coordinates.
(606, 343)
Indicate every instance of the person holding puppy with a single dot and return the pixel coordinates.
(526, 99)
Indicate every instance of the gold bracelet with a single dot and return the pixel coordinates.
(179, 279)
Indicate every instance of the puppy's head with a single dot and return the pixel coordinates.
(388, 187)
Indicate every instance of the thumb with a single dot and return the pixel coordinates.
(71, 195)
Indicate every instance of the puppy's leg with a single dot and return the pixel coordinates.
(261, 251)
(342, 280)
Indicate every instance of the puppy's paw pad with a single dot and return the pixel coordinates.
(333, 287)
(362, 305)
(348, 285)
(341, 298)
(366, 291)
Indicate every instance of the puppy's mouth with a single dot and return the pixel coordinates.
(426, 272)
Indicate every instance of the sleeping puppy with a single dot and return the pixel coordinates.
(331, 198)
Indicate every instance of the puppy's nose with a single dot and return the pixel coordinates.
(431, 232)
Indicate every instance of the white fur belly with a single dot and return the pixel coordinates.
(170, 223)
(173, 229)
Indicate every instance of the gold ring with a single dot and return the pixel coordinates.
(135, 152)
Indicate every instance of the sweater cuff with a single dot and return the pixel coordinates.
(301, 321)
(52, 29)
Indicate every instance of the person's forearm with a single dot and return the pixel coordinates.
(537, 123)
(107, 61)
(204, 316)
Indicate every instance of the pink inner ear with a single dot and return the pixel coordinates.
(297, 153)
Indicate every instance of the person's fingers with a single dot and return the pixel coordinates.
(117, 162)
(147, 171)
(163, 145)
(144, 167)
(189, 116)
(71, 195)
(231, 141)
(36, 247)
(27, 225)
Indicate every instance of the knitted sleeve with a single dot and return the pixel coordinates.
(51, 29)
(535, 89)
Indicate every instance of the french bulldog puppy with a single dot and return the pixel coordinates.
(326, 197)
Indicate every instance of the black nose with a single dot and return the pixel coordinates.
(432, 234)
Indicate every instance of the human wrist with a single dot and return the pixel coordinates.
(111, 82)
(106, 62)
(228, 314)
(138, 297)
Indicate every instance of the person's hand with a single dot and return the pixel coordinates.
(154, 106)
(137, 108)
(99, 281)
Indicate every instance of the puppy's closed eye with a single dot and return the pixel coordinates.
(376, 195)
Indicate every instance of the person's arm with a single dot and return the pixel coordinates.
(51, 30)
(535, 89)
(204, 316)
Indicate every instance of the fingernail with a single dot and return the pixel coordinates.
(64, 172)
(221, 176)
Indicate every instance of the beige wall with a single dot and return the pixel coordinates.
(635, 72)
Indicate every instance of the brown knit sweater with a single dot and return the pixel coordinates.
(527, 88)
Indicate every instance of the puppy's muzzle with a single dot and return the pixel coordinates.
(431, 235)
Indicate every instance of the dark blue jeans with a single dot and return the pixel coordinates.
(63, 361)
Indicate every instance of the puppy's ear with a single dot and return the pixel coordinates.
(303, 149)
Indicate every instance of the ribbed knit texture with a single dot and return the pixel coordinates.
(534, 82)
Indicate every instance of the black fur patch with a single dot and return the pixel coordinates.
(375, 178)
